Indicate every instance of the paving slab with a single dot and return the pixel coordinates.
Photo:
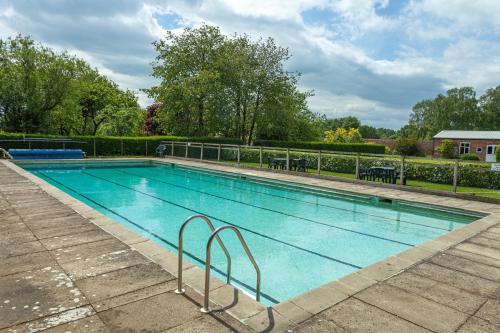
(475, 257)
(467, 266)
(70, 221)
(18, 249)
(26, 262)
(490, 311)
(64, 230)
(88, 267)
(318, 325)
(122, 281)
(206, 324)
(133, 296)
(479, 249)
(487, 241)
(357, 316)
(29, 295)
(74, 239)
(416, 309)
(88, 250)
(270, 320)
(439, 292)
(91, 324)
(45, 323)
(470, 283)
(477, 325)
(154, 314)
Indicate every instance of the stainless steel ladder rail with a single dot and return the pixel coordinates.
(5, 154)
(215, 235)
(179, 289)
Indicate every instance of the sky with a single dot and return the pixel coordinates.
(372, 59)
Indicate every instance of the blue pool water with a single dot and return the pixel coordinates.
(300, 237)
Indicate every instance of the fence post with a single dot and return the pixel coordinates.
(146, 147)
(319, 162)
(94, 149)
(402, 170)
(201, 151)
(218, 153)
(29, 144)
(172, 150)
(288, 159)
(121, 146)
(64, 145)
(357, 166)
(238, 155)
(187, 148)
(455, 177)
(260, 157)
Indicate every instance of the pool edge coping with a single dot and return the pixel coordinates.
(298, 308)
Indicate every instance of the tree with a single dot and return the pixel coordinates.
(34, 81)
(369, 132)
(213, 84)
(457, 110)
(343, 122)
(123, 122)
(151, 121)
(489, 106)
(446, 149)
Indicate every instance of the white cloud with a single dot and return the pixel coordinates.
(358, 61)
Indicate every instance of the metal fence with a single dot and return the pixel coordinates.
(443, 171)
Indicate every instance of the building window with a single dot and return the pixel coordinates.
(479, 150)
(464, 148)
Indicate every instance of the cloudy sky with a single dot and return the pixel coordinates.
(373, 59)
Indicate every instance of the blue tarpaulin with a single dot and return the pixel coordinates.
(27, 154)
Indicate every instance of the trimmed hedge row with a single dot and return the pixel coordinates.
(345, 147)
(106, 145)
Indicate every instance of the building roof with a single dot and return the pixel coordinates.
(471, 135)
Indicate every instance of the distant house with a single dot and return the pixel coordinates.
(481, 143)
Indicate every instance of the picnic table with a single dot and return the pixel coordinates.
(294, 164)
(387, 174)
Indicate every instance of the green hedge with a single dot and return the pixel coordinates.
(106, 145)
(468, 174)
(344, 147)
(498, 153)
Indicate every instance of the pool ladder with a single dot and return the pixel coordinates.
(214, 235)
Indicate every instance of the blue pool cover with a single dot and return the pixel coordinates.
(26, 154)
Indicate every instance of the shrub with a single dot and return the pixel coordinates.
(342, 135)
(446, 149)
(469, 157)
(498, 153)
(407, 147)
(341, 147)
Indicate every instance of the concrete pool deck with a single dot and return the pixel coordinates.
(65, 267)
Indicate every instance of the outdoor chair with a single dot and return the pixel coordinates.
(272, 163)
(160, 150)
(301, 165)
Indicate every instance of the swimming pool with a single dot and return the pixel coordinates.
(301, 237)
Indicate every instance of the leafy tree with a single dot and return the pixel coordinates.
(34, 82)
(457, 110)
(151, 121)
(343, 122)
(369, 132)
(124, 122)
(212, 84)
(489, 105)
(446, 149)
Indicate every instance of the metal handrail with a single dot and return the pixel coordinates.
(205, 308)
(5, 153)
(179, 289)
